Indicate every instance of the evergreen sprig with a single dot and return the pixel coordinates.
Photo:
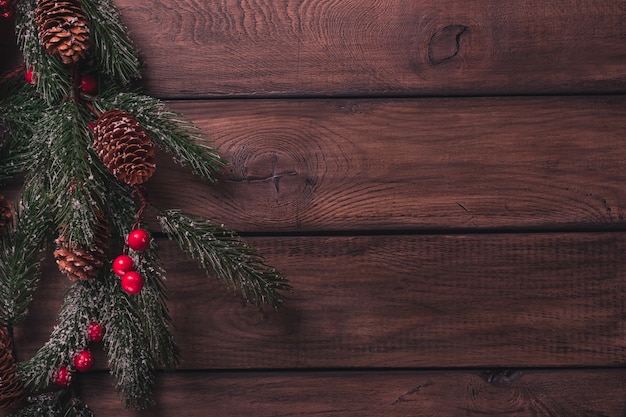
(68, 337)
(168, 130)
(53, 79)
(113, 50)
(20, 253)
(151, 302)
(54, 404)
(221, 252)
(129, 361)
(75, 176)
(152, 307)
(21, 106)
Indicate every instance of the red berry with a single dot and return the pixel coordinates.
(7, 12)
(83, 361)
(132, 282)
(62, 376)
(138, 240)
(123, 264)
(89, 84)
(4, 3)
(96, 332)
(30, 76)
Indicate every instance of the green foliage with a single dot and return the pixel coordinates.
(130, 360)
(68, 337)
(21, 106)
(54, 404)
(53, 79)
(168, 131)
(219, 251)
(20, 251)
(113, 50)
(75, 178)
(153, 311)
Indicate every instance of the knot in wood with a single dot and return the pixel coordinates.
(445, 43)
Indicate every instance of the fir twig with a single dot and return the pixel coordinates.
(55, 404)
(53, 80)
(113, 50)
(130, 361)
(221, 252)
(75, 176)
(151, 303)
(21, 107)
(20, 252)
(168, 130)
(67, 338)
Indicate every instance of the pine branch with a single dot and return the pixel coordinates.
(76, 177)
(53, 79)
(21, 106)
(109, 34)
(221, 252)
(67, 338)
(151, 303)
(129, 357)
(130, 361)
(179, 138)
(20, 252)
(55, 404)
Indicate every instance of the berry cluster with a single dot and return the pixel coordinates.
(7, 9)
(131, 281)
(82, 360)
(124, 266)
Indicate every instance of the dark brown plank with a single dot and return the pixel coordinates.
(311, 165)
(421, 47)
(504, 300)
(590, 393)
(9, 52)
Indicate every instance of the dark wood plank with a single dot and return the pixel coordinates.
(504, 300)
(8, 46)
(585, 393)
(421, 47)
(311, 165)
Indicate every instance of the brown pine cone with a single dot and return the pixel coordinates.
(11, 388)
(124, 147)
(80, 263)
(63, 29)
(6, 213)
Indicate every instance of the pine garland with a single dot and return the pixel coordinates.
(73, 200)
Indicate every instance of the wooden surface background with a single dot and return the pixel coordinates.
(443, 183)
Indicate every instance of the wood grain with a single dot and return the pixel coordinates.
(463, 163)
(487, 300)
(571, 393)
(387, 47)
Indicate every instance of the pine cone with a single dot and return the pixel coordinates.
(63, 29)
(80, 263)
(124, 147)
(11, 388)
(6, 213)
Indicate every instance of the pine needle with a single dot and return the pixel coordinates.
(219, 251)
